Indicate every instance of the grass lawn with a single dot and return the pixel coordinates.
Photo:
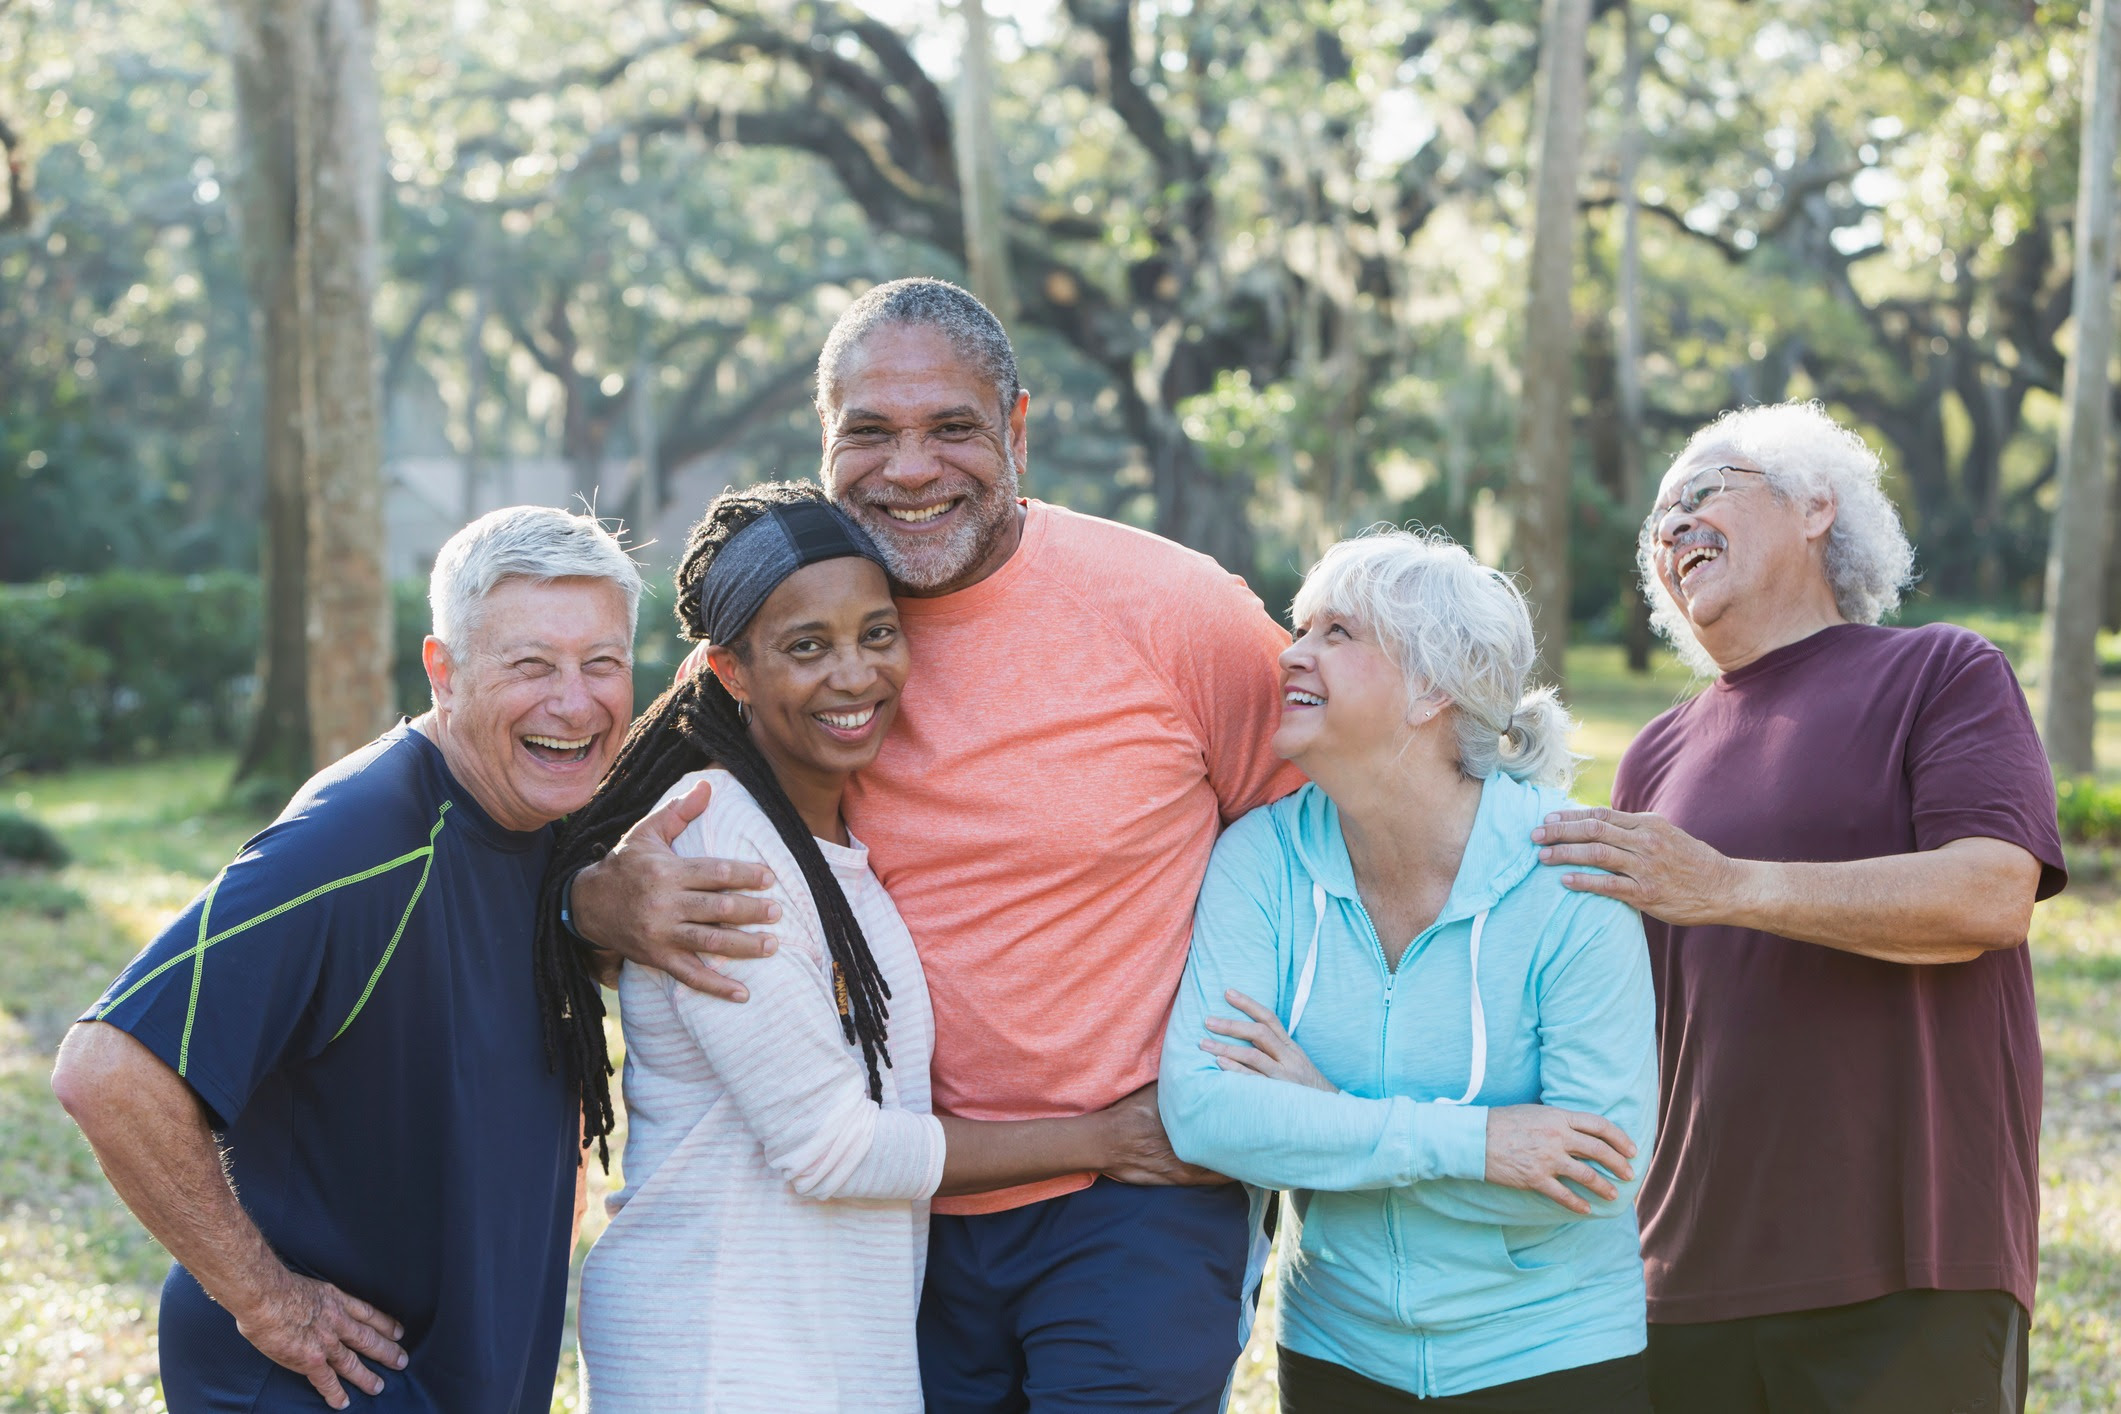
(79, 1280)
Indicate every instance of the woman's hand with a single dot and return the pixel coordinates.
(1270, 1052)
(1138, 1151)
(1534, 1147)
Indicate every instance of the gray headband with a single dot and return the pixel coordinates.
(757, 558)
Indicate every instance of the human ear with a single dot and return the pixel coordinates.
(441, 670)
(729, 668)
(1819, 516)
(1019, 450)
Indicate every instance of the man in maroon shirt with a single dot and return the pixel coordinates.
(1837, 846)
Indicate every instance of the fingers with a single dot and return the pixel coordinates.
(716, 878)
(1269, 1042)
(1598, 856)
(376, 1343)
(327, 1384)
(722, 941)
(1553, 1188)
(1586, 1176)
(1235, 1058)
(1618, 886)
(350, 1369)
(663, 826)
(1599, 1152)
(1599, 1127)
(1258, 1013)
(693, 970)
(369, 1316)
(721, 910)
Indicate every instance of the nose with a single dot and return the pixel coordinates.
(1296, 656)
(571, 700)
(851, 672)
(912, 461)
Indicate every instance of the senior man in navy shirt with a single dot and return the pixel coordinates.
(325, 1087)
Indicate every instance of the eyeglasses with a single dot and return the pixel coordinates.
(1700, 488)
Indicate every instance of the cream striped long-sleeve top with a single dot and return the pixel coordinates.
(767, 1249)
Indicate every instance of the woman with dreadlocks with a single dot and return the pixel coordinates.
(767, 1249)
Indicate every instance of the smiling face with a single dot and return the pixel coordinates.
(1740, 557)
(533, 708)
(922, 455)
(821, 669)
(1343, 696)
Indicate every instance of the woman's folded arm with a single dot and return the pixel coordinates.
(1270, 1132)
(1597, 1055)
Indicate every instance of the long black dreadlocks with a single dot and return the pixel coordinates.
(692, 726)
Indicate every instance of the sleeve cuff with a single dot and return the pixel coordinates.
(1446, 1141)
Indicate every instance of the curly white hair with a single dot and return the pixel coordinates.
(1804, 453)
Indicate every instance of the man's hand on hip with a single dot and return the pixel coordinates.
(318, 1331)
(649, 906)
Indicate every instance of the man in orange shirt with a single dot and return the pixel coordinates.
(1089, 706)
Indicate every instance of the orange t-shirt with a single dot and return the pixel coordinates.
(1076, 730)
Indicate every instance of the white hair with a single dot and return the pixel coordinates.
(1805, 454)
(537, 543)
(1456, 627)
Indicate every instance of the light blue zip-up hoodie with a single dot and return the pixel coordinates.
(1406, 1266)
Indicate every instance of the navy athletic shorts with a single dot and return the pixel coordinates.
(1114, 1297)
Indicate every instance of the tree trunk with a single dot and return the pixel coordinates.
(1635, 491)
(647, 487)
(2075, 558)
(1539, 538)
(307, 101)
(979, 170)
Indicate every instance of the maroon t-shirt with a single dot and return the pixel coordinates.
(1832, 1128)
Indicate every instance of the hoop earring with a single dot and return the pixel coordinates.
(743, 713)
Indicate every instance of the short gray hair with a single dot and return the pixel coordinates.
(1456, 627)
(537, 543)
(956, 314)
(1805, 454)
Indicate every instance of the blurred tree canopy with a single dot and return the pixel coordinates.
(1268, 256)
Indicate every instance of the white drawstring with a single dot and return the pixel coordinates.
(1480, 1016)
(1310, 972)
(1480, 1022)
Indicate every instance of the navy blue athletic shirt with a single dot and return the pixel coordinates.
(353, 999)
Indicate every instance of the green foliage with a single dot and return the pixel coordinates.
(124, 664)
(25, 839)
(2090, 811)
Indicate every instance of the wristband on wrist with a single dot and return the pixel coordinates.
(567, 912)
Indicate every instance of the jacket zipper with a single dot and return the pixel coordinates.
(1384, 1059)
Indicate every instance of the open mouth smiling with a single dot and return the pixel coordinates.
(1692, 558)
(920, 515)
(1297, 697)
(849, 723)
(559, 751)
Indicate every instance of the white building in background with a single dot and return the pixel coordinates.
(425, 499)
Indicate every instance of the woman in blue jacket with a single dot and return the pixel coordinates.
(1393, 1010)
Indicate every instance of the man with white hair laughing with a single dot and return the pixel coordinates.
(1837, 847)
(326, 1087)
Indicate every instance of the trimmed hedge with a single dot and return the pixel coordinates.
(27, 840)
(124, 664)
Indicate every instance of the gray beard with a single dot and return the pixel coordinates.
(929, 566)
